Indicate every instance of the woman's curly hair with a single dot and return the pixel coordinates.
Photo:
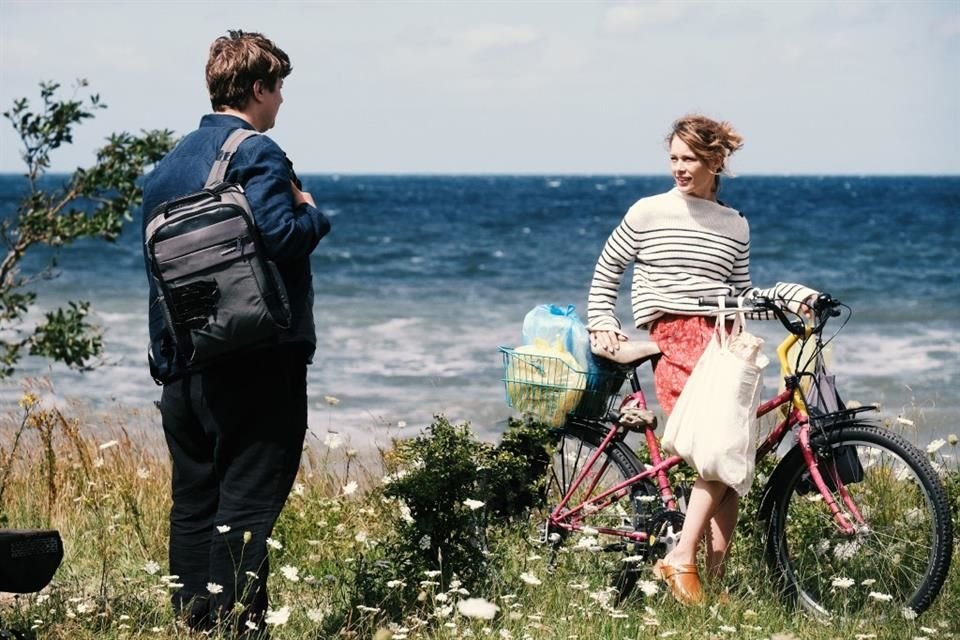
(711, 141)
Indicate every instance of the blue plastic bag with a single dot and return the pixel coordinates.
(551, 323)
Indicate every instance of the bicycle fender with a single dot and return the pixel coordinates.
(774, 483)
(586, 424)
(793, 458)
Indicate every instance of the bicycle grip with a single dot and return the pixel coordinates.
(733, 302)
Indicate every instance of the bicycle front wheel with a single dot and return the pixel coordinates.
(897, 559)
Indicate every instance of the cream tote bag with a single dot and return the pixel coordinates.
(713, 426)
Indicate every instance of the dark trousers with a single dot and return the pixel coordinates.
(235, 434)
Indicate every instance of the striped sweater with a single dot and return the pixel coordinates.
(683, 248)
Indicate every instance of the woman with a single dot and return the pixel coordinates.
(685, 245)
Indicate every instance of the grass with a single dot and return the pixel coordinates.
(108, 494)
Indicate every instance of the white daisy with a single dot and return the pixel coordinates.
(529, 578)
(278, 616)
(477, 608)
(333, 441)
(934, 446)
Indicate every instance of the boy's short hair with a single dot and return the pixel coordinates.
(236, 62)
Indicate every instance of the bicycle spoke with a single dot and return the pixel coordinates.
(569, 465)
(885, 564)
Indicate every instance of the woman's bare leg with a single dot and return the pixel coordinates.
(719, 534)
(705, 498)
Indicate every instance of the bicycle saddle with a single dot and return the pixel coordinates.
(632, 352)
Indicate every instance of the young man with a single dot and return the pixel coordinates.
(235, 429)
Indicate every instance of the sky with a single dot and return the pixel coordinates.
(465, 87)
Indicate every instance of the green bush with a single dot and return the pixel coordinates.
(435, 477)
(448, 488)
(513, 483)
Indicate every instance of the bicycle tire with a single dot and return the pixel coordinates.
(574, 444)
(897, 562)
(573, 447)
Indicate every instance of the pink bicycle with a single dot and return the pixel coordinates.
(854, 514)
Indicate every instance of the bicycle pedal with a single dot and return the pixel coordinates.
(552, 561)
(636, 418)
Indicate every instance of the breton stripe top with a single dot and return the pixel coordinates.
(683, 248)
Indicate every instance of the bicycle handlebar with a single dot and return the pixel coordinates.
(824, 307)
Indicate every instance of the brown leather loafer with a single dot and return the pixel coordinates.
(683, 580)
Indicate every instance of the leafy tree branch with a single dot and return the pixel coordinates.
(93, 203)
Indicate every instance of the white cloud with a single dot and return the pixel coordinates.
(121, 57)
(488, 37)
(121, 53)
(627, 18)
(527, 87)
(950, 28)
(17, 52)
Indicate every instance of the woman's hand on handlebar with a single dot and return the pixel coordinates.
(606, 340)
(807, 309)
(814, 312)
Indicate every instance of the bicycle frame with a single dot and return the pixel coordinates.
(571, 519)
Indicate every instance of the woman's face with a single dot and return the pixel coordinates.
(691, 174)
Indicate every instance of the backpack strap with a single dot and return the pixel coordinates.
(219, 169)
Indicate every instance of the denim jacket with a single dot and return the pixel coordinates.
(289, 233)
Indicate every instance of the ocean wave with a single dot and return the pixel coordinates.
(423, 278)
(933, 353)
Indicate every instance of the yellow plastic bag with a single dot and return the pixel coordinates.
(544, 380)
(804, 354)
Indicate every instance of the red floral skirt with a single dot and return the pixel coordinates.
(682, 340)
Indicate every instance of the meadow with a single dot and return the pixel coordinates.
(350, 559)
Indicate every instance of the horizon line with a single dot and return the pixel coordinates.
(560, 174)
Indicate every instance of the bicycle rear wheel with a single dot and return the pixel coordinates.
(896, 561)
(575, 445)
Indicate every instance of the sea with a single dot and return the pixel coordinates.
(422, 278)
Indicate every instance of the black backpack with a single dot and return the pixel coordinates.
(217, 290)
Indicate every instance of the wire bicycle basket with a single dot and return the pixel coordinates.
(548, 388)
